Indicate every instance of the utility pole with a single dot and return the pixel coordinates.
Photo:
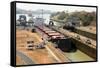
(42, 26)
(42, 13)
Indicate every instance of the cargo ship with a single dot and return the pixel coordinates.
(46, 44)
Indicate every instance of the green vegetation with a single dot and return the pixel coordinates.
(62, 15)
(86, 18)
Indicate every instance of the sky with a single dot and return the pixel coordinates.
(29, 6)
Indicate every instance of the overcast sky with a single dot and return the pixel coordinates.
(28, 6)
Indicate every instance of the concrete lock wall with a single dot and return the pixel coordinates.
(85, 33)
(86, 49)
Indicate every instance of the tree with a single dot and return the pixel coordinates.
(87, 18)
(54, 14)
(62, 15)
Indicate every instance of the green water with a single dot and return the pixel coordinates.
(78, 56)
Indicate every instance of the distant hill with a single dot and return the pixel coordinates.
(20, 11)
(38, 11)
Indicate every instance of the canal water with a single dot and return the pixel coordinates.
(78, 56)
(74, 56)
